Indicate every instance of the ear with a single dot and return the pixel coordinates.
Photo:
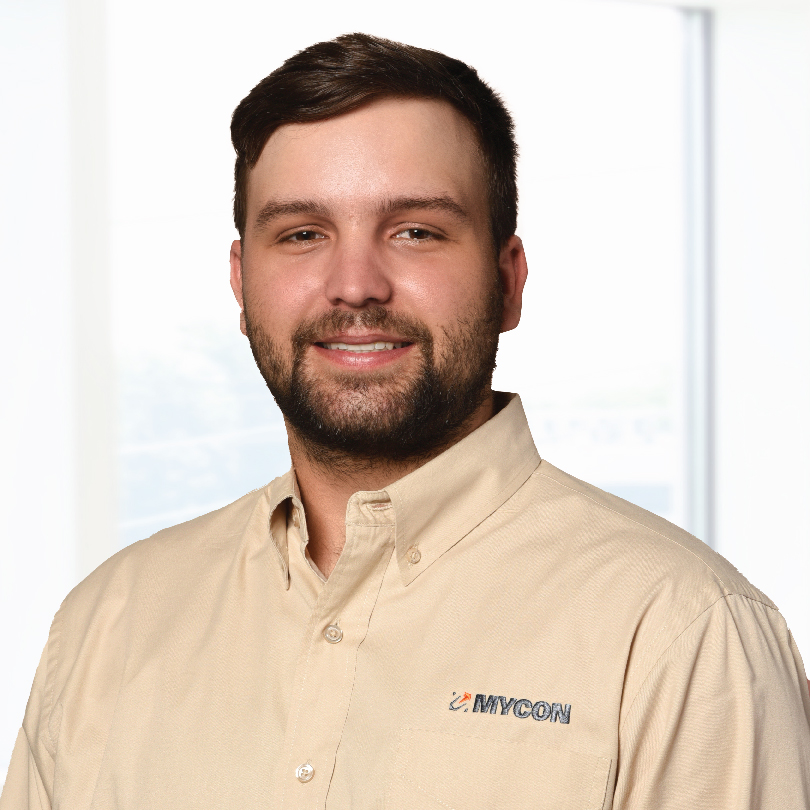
(236, 281)
(513, 271)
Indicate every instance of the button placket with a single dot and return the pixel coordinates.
(324, 674)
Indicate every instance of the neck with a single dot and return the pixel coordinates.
(326, 485)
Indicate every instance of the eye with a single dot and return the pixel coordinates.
(417, 234)
(304, 236)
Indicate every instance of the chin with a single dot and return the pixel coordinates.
(366, 408)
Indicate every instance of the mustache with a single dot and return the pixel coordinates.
(377, 317)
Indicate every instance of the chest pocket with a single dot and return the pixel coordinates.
(434, 770)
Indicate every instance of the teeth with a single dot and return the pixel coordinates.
(364, 347)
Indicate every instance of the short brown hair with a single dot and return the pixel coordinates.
(331, 78)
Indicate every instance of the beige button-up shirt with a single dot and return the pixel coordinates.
(496, 634)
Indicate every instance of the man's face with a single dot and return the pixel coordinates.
(372, 298)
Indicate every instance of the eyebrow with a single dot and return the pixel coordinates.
(281, 208)
(273, 209)
(441, 202)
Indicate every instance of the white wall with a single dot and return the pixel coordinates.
(37, 453)
(762, 416)
(762, 295)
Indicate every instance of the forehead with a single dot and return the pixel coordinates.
(385, 149)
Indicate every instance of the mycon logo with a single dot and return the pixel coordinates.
(521, 708)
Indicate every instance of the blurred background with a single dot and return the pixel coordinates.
(665, 201)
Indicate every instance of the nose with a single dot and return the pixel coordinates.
(356, 276)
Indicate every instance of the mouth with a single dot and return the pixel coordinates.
(364, 352)
(360, 348)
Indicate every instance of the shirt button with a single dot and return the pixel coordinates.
(333, 634)
(305, 772)
(414, 555)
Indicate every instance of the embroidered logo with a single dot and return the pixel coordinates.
(522, 708)
(458, 702)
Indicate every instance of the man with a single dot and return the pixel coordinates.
(422, 613)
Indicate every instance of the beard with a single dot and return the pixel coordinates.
(382, 417)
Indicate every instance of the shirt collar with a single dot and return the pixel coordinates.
(443, 500)
(278, 492)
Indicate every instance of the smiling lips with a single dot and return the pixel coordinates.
(377, 346)
(376, 352)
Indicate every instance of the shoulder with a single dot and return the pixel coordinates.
(678, 612)
(166, 567)
(129, 601)
(648, 546)
(628, 575)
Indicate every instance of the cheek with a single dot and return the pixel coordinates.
(444, 295)
(279, 298)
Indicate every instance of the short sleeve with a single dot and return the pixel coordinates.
(722, 719)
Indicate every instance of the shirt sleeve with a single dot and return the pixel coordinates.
(24, 789)
(30, 774)
(722, 720)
